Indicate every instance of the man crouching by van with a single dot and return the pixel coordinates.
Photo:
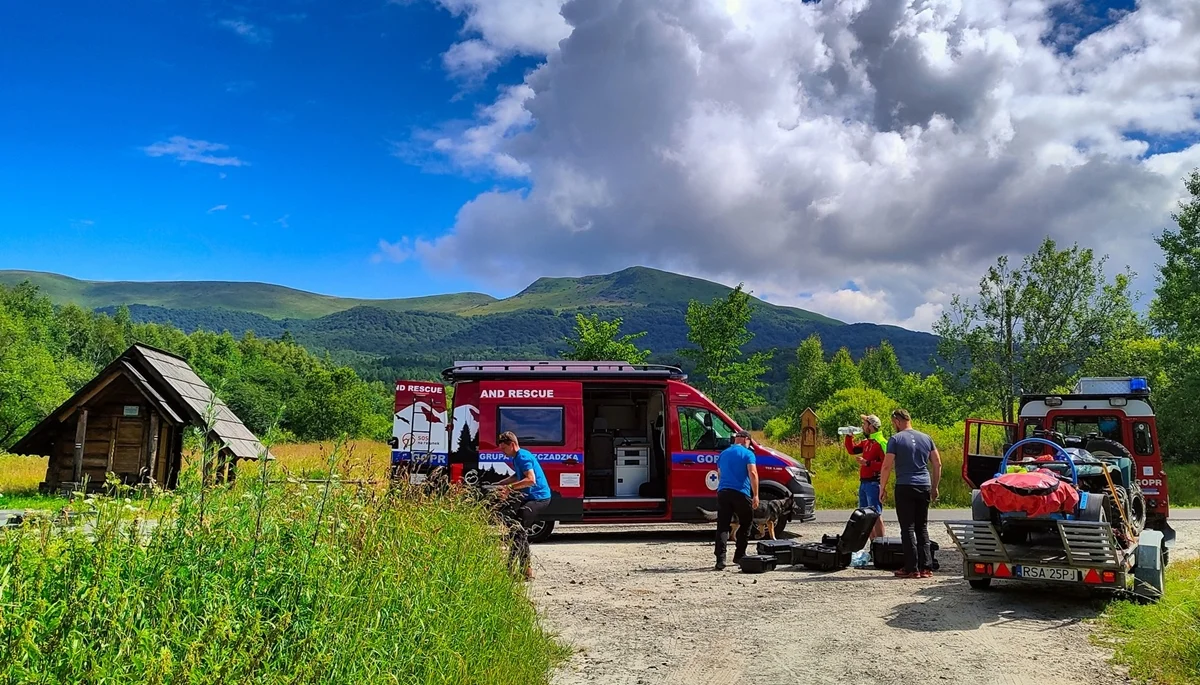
(531, 493)
(737, 494)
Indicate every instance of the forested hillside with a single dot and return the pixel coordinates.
(417, 337)
(49, 352)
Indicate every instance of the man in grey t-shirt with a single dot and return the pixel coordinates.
(918, 466)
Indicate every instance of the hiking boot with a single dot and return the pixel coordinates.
(901, 573)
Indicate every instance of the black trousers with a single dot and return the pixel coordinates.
(912, 508)
(729, 504)
(520, 517)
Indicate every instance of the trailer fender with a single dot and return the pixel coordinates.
(1148, 566)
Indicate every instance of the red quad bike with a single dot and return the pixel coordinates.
(1061, 514)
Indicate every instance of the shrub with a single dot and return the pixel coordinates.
(779, 428)
(259, 583)
(844, 408)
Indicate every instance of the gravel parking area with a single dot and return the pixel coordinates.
(645, 606)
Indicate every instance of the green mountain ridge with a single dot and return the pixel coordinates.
(272, 301)
(632, 287)
(418, 337)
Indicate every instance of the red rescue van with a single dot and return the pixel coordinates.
(619, 443)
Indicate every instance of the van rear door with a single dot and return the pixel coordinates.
(547, 417)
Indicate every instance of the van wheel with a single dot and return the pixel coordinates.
(540, 531)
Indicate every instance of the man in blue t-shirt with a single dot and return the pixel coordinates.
(737, 494)
(529, 486)
(918, 468)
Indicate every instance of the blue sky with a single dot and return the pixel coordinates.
(307, 96)
(735, 140)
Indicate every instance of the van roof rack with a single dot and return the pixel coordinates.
(464, 371)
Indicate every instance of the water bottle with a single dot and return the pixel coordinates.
(849, 430)
(860, 559)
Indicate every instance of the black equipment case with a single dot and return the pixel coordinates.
(781, 550)
(888, 553)
(833, 552)
(757, 563)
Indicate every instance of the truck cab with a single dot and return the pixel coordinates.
(619, 443)
(1104, 415)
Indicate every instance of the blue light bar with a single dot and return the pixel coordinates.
(1138, 385)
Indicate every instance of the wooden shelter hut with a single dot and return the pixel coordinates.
(130, 420)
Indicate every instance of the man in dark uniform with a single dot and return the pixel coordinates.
(737, 494)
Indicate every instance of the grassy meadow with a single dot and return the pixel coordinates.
(268, 581)
(835, 473)
(1160, 643)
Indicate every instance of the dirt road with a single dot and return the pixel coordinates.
(645, 607)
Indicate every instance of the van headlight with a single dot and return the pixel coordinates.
(799, 474)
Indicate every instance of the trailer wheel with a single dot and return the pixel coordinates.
(979, 583)
(1148, 567)
(540, 531)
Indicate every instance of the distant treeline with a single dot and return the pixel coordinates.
(48, 352)
(385, 345)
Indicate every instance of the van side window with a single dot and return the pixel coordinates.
(1143, 441)
(700, 430)
(533, 425)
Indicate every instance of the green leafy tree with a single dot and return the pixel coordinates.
(597, 340)
(928, 400)
(880, 369)
(1031, 328)
(719, 330)
(47, 353)
(808, 378)
(845, 407)
(843, 372)
(1175, 313)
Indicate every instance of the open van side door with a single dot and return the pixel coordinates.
(697, 436)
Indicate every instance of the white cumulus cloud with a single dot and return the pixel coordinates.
(901, 146)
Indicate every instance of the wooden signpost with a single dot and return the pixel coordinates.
(808, 437)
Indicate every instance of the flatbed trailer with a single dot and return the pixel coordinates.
(1082, 553)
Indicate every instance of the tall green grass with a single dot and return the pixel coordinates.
(267, 583)
(1161, 642)
(1184, 483)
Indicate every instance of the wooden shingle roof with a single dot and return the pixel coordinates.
(206, 408)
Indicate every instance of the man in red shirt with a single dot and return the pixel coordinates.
(870, 453)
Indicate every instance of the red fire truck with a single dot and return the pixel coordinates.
(619, 443)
